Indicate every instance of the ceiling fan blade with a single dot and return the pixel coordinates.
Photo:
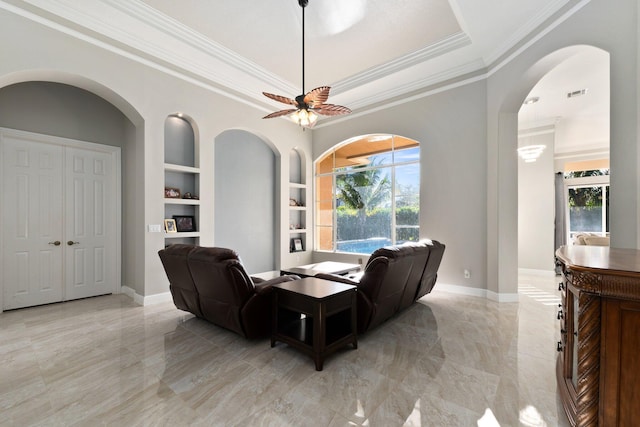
(280, 113)
(317, 96)
(280, 98)
(332, 110)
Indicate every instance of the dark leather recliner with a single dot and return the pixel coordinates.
(212, 284)
(394, 278)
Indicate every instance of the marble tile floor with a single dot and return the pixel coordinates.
(449, 360)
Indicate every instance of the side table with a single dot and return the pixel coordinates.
(315, 316)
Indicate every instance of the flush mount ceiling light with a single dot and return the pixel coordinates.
(309, 105)
(530, 153)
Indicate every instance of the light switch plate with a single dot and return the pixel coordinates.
(154, 228)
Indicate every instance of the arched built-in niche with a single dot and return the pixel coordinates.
(298, 202)
(245, 198)
(181, 180)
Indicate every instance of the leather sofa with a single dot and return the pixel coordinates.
(394, 278)
(212, 284)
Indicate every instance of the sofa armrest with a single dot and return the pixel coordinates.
(337, 278)
(265, 285)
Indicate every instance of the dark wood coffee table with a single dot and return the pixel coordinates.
(315, 316)
(328, 267)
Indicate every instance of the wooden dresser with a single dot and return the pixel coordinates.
(598, 369)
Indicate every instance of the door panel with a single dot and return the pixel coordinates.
(90, 223)
(31, 222)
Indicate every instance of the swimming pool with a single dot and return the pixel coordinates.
(366, 246)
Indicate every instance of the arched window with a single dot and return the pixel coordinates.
(368, 194)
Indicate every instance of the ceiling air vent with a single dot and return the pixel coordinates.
(576, 93)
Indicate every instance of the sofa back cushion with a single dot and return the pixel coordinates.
(430, 275)
(385, 279)
(183, 290)
(222, 283)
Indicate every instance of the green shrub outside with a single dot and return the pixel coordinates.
(354, 224)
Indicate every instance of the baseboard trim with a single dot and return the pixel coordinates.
(146, 300)
(534, 272)
(475, 292)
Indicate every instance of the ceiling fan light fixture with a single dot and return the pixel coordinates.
(304, 117)
(309, 105)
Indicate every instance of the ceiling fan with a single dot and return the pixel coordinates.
(309, 105)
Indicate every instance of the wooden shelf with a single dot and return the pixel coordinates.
(180, 168)
(169, 201)
(180, 235)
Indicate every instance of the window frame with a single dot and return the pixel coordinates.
(603, 181)
(341, 171)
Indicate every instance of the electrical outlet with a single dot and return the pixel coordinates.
(154, 228)
(467, 274)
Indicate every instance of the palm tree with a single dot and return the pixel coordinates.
(363, 191)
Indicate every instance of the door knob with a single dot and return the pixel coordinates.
(71, 243)
(56, 243)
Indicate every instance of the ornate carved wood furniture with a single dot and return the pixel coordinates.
(598, 369)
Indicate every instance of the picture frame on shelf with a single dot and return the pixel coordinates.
(296, 245)
(170, 226)
(185, 223)
(171, 193)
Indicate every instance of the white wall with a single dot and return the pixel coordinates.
(146, 96)
(451, 129)
(536, 207)
(468, 135)
(594, 23)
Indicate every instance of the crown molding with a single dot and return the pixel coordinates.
(201, 61)
(417, 85)
(523, 31)
(369, 75)
(175, 29)
(524, 45)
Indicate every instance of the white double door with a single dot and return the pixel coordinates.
(59, 216)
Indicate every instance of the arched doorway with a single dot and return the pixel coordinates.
(566, 117)
(67, 106)
(502, 240)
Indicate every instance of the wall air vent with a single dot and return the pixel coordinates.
(576, 93)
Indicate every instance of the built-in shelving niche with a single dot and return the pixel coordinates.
(298, 201)
(182, 172)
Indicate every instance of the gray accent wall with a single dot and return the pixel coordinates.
(245, 198)
(61, 110)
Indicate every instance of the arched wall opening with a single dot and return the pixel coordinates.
(246, 198)
(71, 106)
(502, 241)
(566, 116)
